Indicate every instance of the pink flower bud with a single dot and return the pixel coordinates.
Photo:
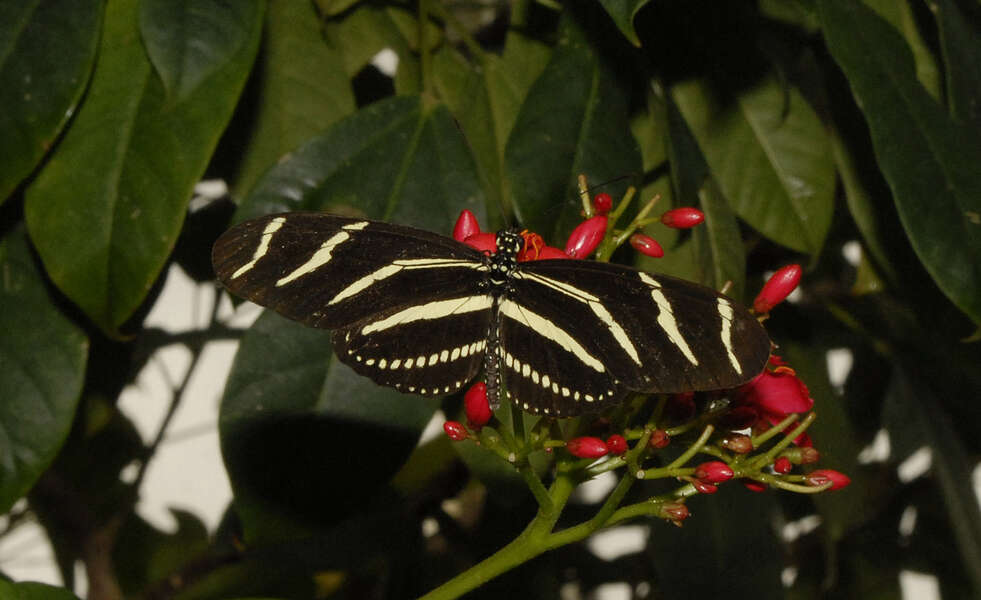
(466, 226)
(685, 217)
(616, 444)
(740, 443)
(645, 244)
(714, 471)
(659, 439)
(586, 237)
(602, 203)
(704, 488)
(476, 406)
(782, 465)
(822, 476)
(674, 511)
(753, 485)
(587, 447)
(455, 430)
(485, 242)
(777, 288)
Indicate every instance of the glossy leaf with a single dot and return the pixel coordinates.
(301, 88)
(106, 210)
(46, 54)
(292, 421)
(362, 34)
(718, 243)
(573, 121)
(622, 12)
(959, 36)
(929, 160)
(394, 160)
(769, 154)
(189, 40)
(42, 367)
(484, 98)
(33, 591)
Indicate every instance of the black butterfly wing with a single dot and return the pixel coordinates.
(652, 333)
(329, 272)
(405, 304)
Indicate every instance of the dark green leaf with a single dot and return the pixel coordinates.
(301, 88)
(718, 244)
(915, 417)
(769, 154)
(394, 161)
(622, 12)
(106, 210)
(362, 34)
(145, 555)
(46, 54)
(573, 121)
(726, 549)
(930, 161)
(304, 438)
(189, 40)
(903, 19)
(33, 591)
(959, 35)
(485, 99)
(42, 367)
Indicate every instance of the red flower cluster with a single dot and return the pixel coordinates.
(769, 397)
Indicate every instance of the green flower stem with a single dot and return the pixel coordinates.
(535, 485)
(792, 487)
(693, 449)
(765, 459)
(650, 507)
(599, 520)
(777, 429)
(534, 540)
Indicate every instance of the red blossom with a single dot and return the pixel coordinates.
(616, 444)
(455, 430)
(586, 237)
(466, 226)
(822, 476)
(602, 203)
(476, 406)
(587, 447)
(645, 244)
(777, 288)
(714, 471)
(684, 217)
(485, 242)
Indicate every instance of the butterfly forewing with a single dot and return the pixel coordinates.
(329, 272)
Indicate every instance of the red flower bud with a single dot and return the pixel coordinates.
(782, 465)
(777, 288)
(704, 488)
(476, 406)
(586, 236)
(674, 511)
(455, 430)
(659, 439)
(754, 486)
(616, 444)
(740, 443)
(822, 476)
(485, 242)
(466, 226)
(586, 447)
(602, 203)
(645, 244)
(683, 218)
(552, 252)
(714, 471)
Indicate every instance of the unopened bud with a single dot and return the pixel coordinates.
(455, 430)
(602, 203)
(714, 471)
(777, 288)
(822, 476)
(587, 447)
(616, 444)
(703, 487)
(466, 226)
(586, 237)
(684, 217)
(645, 244)
(782, 465)
(674, 511)
(659, 439)
(476, 406)
(754, 486)
(740, 443)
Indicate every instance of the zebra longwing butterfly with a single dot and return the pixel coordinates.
(424, 314)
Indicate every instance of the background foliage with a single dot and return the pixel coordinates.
(803, 128)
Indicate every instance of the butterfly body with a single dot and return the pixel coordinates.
(424, 314)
